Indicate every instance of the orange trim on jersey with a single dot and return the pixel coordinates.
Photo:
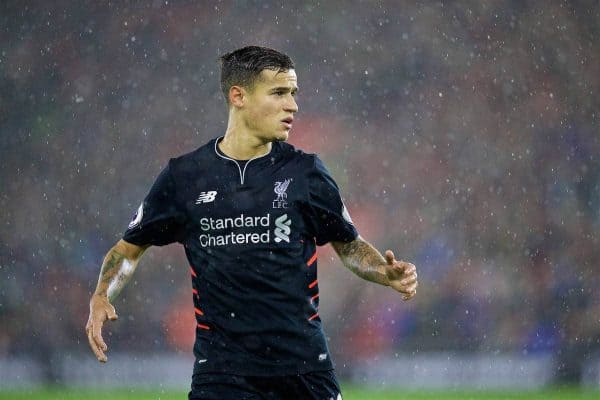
(204, 327)
(312, 285)
(314, 297)
(312, 259)
(194, 291)
(198, 311)
(313, 317)
(193, 272)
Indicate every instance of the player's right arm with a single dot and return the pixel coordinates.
(158, 221)
(117, 268)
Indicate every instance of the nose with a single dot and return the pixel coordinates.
(291, 104)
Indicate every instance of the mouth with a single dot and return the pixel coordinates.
(288, 122)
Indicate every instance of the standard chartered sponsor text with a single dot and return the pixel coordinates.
(242, 221)
(207, 240)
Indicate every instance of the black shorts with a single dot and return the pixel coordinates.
(320, 385)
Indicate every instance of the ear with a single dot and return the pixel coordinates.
(237, 96)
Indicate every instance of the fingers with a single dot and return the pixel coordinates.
(97, 334)
(403, 277)
(409, 281)
(409, 268)
(98, 351)
(111, 314)
(99, 314)
(398, 269)
(389, 257)
(411, 293)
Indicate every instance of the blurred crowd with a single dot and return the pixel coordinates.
(464, 137)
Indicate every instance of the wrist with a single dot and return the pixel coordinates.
(378, 275)
(382, 269)
(100, 295)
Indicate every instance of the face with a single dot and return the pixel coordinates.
(270, 106)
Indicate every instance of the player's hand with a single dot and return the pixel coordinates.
(100, 311)
(401, 275)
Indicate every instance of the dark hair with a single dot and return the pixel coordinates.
(243, 66)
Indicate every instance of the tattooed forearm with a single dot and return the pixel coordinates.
(114, 275)
(362, 259)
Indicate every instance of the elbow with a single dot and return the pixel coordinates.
(131, 252)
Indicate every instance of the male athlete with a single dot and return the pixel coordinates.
(250, 211)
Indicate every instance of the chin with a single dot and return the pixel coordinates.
(281, 137)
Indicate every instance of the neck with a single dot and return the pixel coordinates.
(240, 144)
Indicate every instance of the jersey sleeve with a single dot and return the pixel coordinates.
(158, 220)
(328, 219)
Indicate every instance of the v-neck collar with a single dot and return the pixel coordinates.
(242, 170)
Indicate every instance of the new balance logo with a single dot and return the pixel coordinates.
(282, 230)
(206, 197)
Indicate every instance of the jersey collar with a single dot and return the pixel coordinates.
(268, 157)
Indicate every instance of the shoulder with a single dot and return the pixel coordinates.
(311, 162)
(288, 151)
(194, 160)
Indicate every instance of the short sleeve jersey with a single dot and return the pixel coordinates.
(250, 232)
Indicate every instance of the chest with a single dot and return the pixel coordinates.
(218, 200)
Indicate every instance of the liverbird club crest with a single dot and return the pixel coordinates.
(280, 188)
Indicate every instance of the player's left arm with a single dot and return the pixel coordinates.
(366, 261)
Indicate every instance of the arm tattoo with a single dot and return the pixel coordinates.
(114, 275)
(363, 259)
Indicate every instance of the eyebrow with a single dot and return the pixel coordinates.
(285, 89)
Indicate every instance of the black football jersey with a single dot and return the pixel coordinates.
(250, 231)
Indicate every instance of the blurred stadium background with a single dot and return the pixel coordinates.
(464, 136)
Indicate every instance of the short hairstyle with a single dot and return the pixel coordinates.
(243, 66)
